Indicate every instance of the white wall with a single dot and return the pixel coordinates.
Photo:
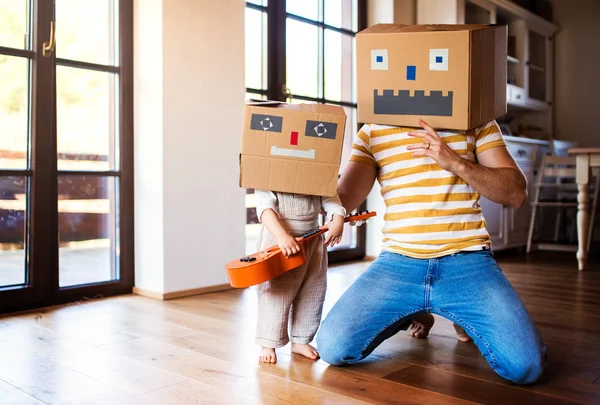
(380, 11)
(148, 150)
(202, 80)
(437, 11)
(577, 82)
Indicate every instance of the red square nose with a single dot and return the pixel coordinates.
(294, 138)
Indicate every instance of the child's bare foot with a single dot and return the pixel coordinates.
(305, 350)
(421, 325)
(461, 334)
(267, 355)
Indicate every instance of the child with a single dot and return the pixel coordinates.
(294, 298)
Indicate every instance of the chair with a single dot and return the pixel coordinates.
(556, 187)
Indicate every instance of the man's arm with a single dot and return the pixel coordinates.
(355, 184)
(496, 176)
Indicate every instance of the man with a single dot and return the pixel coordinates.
(437, 254)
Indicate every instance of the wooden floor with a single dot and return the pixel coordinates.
(199, 350)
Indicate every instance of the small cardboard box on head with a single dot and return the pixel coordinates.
(292, 148)
(452, 76)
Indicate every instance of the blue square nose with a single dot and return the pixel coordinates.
(411, 73)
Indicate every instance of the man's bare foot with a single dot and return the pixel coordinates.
(267, 355)
(421, 325)
(461, 334)
(305, 350)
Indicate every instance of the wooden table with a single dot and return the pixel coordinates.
(587, 158)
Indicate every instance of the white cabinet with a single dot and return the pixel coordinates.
(494, 221)
(517, 220)
(508, 227)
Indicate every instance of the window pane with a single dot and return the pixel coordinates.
(87, 31)
(351, 130)
(86, 118)
(14, 27)
(88, 223)
(252, 224)
(255, 96)
(354, 85)
(302, 59)
(13, 222)
(342, 14)
(259, 2)
(350, 235)
(338, 66)
(256, 49)
(14, 112)
(349, 239)
(304, 8)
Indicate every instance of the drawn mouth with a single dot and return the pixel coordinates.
(304, 154)
(419, 104)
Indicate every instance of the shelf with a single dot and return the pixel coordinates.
(512, 59)
(528, 104)
(536, 68)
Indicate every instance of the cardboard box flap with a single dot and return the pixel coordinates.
(400, 29)
(324, 109)
(383, 29)
(265, 103)
(309, 107)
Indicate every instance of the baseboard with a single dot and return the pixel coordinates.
(148, 293)
(182, 293)
(196, 291)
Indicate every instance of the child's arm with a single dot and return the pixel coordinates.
(336, 214)
(266, 209)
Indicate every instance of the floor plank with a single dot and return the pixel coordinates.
(44, 379)
(139, 351)
(222, 374)
(469, 388)
(14, 396)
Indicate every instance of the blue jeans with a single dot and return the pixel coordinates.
(467, 288)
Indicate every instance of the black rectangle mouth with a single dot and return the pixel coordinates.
(404, 104)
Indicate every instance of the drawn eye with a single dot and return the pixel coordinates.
(438, 59)
(320, 129)
(271, 123)
(379, 59)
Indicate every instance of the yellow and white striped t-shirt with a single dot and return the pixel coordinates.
(430, 212)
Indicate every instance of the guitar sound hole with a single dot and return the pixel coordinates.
(247, 259)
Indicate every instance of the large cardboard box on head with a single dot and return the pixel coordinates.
(451, 76)
(292, 148)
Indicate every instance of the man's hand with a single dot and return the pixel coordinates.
(435, 147)
(336, 228)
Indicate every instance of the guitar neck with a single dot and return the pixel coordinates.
(349, 218)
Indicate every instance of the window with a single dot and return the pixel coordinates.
(303, 51)
(66, 190)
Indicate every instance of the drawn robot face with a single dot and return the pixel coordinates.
(299, 140)
(292, 148)
(402, 102)
(452, 76)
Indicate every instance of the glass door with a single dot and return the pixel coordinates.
(66, 147)
(303, 51)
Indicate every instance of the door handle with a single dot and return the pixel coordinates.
(287, 93)
(48, 46)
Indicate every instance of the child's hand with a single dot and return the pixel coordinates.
(336, 228)
(288, 245)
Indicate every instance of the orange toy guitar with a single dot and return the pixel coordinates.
(270, 263)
